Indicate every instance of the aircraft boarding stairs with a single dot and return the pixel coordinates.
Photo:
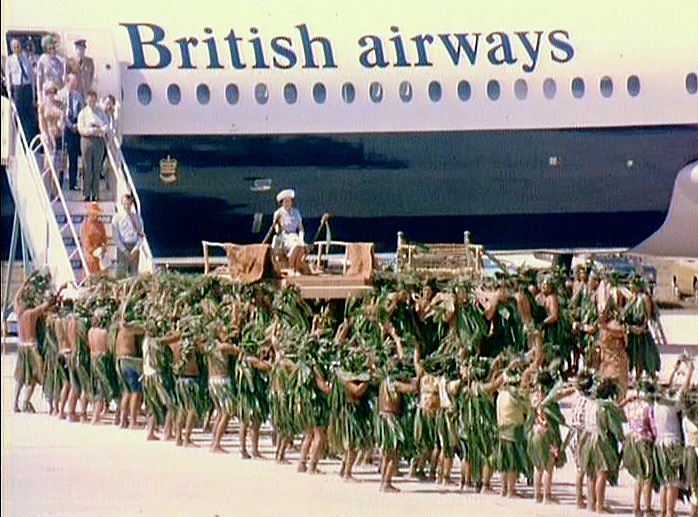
(48, 219)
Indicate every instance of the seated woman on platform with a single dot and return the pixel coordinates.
(289, 226)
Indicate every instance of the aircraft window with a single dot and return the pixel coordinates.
(606, 86)
(405, 91)
(232, 94)
(203, 94)
(549, 88)
(375, 91)
(633, 85)
(578, 87)
(435, 91)
(261, 93)
(348, 93)
(319, 93)
(493, 89)
(290, 93)
(464, 90)
(144, 94)
(174, 95)
(521, 89)
(692, 83)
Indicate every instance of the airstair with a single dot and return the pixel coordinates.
(47, 219)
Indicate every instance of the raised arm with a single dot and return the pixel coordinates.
(321, 383)
(228, 349)
(418, 367)
(494, 384)
(390, 330)
(258, 364)
(407, 388)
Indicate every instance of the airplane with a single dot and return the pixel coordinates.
(535, 124)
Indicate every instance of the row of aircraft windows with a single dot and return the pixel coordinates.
(405, 91)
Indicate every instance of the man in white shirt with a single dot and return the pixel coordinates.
(92, 129)
(128, 236)
(20, 79)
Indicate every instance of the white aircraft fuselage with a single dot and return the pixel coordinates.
(449, 109)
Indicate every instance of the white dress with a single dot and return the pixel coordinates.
(291, 224)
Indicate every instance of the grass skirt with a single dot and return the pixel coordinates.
(29, 365)
(643, 354)
(54, 374)
(597, 455)
(252, 394)
(512, 455)
(690, 468)
(425, 435)
(545, 450)
(349, 425)
(105, 382)
(668, 460)
(154, 403)
(638, 458)
(222, 394)
(281, 403)
(79, 369)
(389, 433)
(190, 396)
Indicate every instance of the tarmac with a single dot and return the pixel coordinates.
(53, 468)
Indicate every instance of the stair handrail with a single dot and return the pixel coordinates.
(123, 175)
(62, 203)
(41, 187)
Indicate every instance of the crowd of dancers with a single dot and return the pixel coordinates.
(423, 370)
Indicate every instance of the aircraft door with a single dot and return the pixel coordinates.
(100, 47)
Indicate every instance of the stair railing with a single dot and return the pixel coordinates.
(57, 198)
(124, 185)
(47, 245)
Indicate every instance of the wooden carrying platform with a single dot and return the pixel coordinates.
(448, 259)
(251, 263)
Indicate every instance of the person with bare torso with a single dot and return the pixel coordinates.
(129, 364)
(190, 396)
(158, 386)
(390, 432)
(29, 368)
(104, 382)
(220, 387)
(63, 361)
(251, 418)
(78, 366)
(434, 432)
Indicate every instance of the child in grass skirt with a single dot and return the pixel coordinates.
(544, 439)
(669, 451)
(512, 456)
(639, 449)
(600, 444)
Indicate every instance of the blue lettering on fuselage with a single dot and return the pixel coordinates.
(151, 49)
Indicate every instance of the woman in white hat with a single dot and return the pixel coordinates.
(289, 224)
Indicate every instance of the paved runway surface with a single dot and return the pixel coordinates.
(55, 468)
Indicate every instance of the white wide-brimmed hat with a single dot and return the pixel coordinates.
(284, 194)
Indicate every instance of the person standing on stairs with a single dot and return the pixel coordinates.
(92, 129)
(94, 239)
(128, 236)
(74, 103)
